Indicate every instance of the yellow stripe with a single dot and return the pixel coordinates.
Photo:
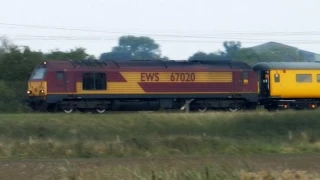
(114, 88)
(177, 76)
(104, 93)
(133, 78)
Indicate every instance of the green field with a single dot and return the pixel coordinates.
(243, 145)
(157, 134)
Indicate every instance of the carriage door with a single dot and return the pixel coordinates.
(61, 81)
(264, 83)
(245, 81)
(70, 82)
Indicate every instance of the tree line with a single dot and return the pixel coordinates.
(140, 48)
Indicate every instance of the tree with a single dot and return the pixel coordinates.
(247, 55)
(5, 44)
(16, 64)
(131, 47)
(115, 56)
(77, 53)
(203, 56)
(231, 48)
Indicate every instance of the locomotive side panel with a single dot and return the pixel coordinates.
(245, 82)
(156, 82)
(186, 82)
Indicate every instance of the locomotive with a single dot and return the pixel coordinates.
(101, 86)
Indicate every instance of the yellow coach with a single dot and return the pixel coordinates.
(288, 84)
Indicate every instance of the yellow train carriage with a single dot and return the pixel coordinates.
(294, 84)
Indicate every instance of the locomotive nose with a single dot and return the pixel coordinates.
(37, 88)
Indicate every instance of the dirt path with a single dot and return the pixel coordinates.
(48, 168)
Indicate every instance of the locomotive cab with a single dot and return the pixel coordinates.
(37, 86)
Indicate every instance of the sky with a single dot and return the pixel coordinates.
(180, 27)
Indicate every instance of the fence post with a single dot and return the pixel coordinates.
(207, 172)
(153, 176)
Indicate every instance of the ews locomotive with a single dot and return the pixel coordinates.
(99, 86)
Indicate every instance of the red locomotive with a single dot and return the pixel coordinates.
(142, 85)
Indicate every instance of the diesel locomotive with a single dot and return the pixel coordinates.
(100, 86)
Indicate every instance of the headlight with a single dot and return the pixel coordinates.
(41, 91)
(28, 92)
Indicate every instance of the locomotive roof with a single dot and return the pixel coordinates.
(286, 65)
(226, 64)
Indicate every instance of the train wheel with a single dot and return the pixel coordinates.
(234, 109)
(67, 108)
(68, 111)
(203, 109)
(100, 111)
(101, 108)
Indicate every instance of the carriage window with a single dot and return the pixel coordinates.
(318, 77)
(277, 77)
(100, 81)
(245, 77)
(303, 78)
(94, 81)
(60, 75)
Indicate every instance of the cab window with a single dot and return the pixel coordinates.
(276, 77)
(303, 78)
(38, 74)
(60, 75)
(94, 81)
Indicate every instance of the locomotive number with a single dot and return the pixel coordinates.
(184, 77)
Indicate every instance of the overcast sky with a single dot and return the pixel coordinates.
(181, 27)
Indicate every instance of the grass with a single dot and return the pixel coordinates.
(159, 172)
(158, 134)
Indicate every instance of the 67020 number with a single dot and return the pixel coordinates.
(184, 77)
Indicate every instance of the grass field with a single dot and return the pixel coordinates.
(193, 168)
(127, 137)
(157, 134)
